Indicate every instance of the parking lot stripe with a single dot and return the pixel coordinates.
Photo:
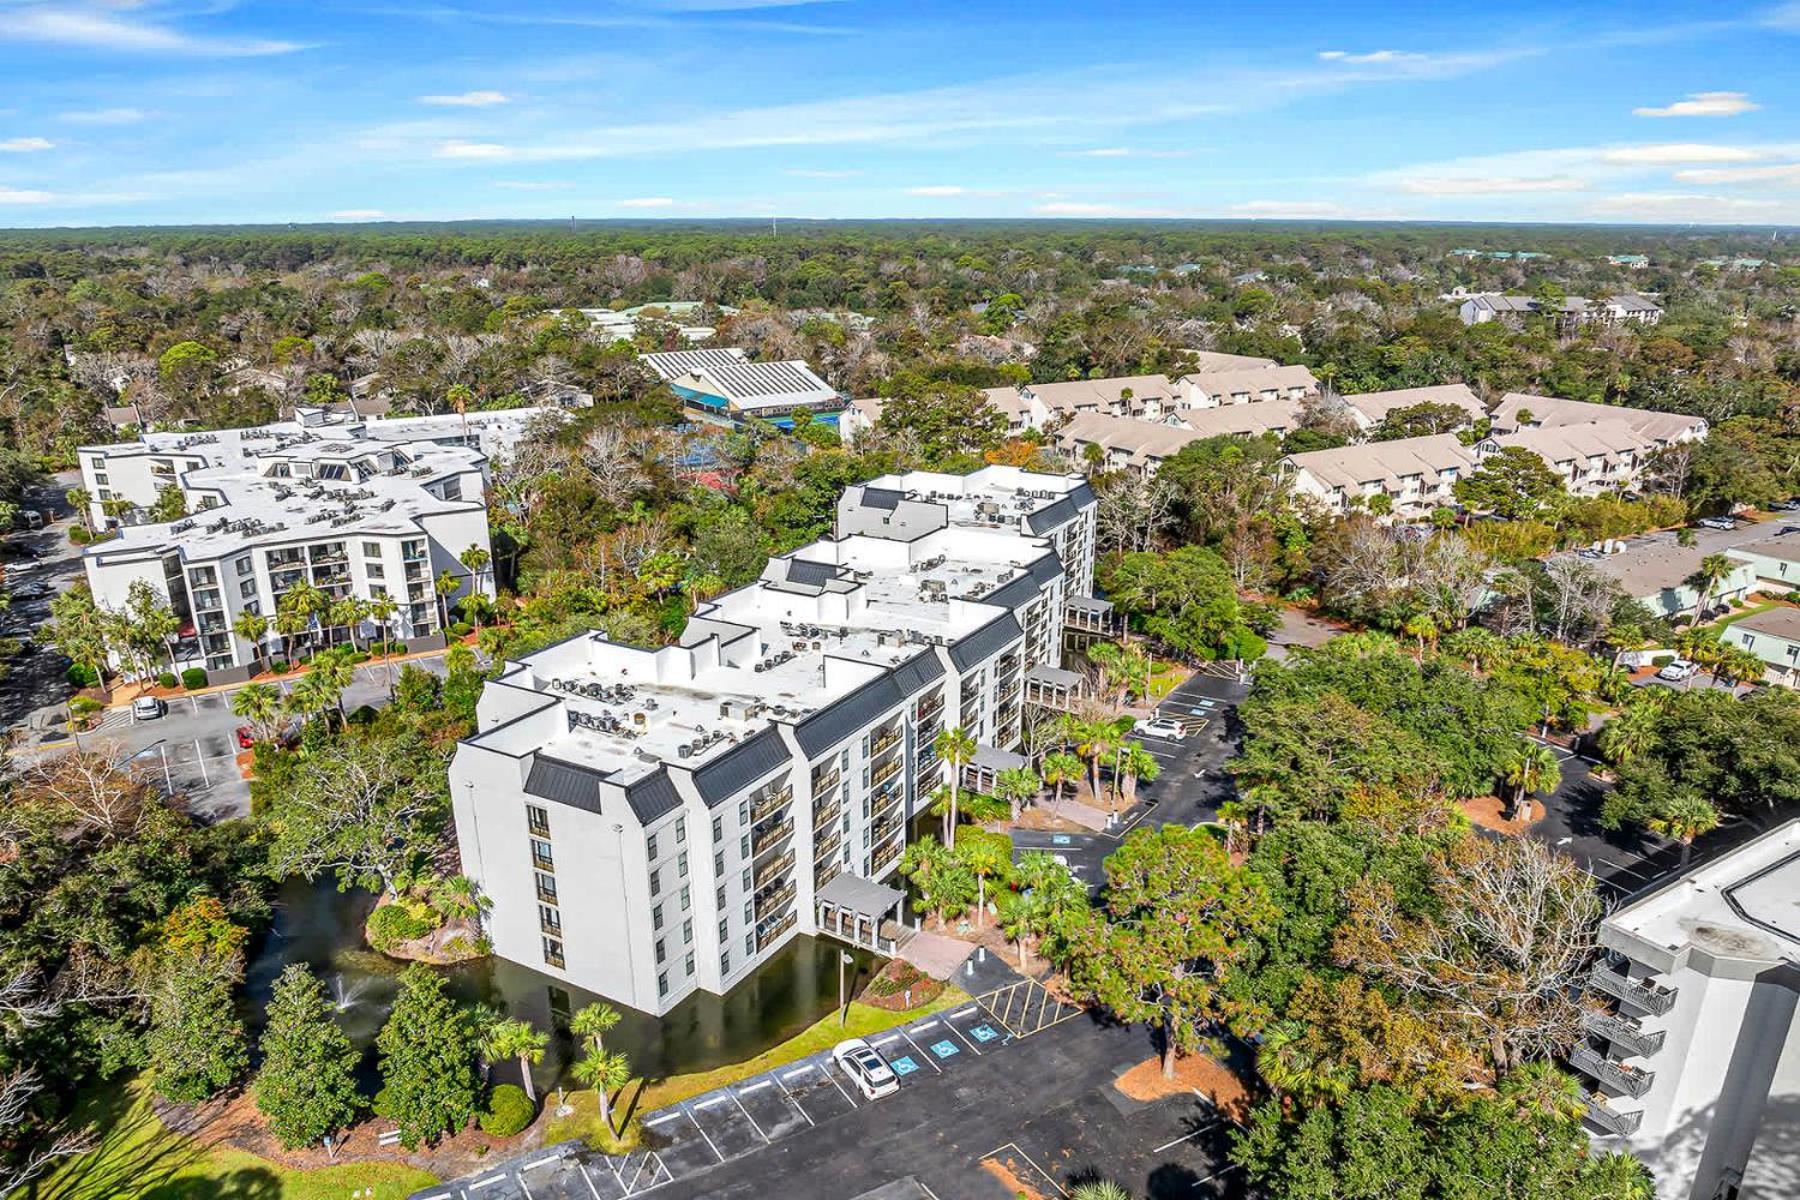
(755, 1087)
(963, 1038)
(481, 1183)
(802, 1069)
(653, 1122)
(749, 1118)
(832, 1076)
(964, 1011)
(1207, 1128)
(795, 1101)
(705, 1104)
(927, 1057)
(587, 1179)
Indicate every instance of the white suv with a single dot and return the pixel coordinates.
(1677, 671)
(866, 1069)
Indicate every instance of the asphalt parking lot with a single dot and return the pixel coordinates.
(974, 1089)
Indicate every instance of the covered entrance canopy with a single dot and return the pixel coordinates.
(853, 909)
(981, 772)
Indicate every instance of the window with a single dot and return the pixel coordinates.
(687, 932)
(538, 819)
(744, 812)
(247, 589)
(243, 566)
(549, 918)
(749, 914)
(656, 918)
(661, 952)
(746, 879)
(541, 856)
(650, 847)
(685, 898)
(725, 963)
(724, 929)
(546, 887)
(687, 964)
(719, 865)
(749, 944)
(662, 984)
(720, 897)
(553, 955)
(680, 830)
(744, 846)
(718, 828)
(681, 864)
(374, 571)
(656, 883)
(371, 549)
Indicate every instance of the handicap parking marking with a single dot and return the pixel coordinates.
(945, 1048)
(904, 1065)
(923, 1057)
(984, 1033)
(1060, 839)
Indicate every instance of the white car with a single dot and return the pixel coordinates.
(866, 1068)
(1677, 671)
(1716, 523)
(1160, 727)
(147, 708)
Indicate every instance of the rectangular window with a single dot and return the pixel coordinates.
(687, 932)
(687, 964)
(661, 952)
(541, 856)
(374, 571)
(749, 914)
(549, 918)
(744, 812)
(662, 984)
(538, 820)
(681, 864)
(718, 828)
(686, 898)
(725, 963)
(744, 846)
(680, 830)
(243, 566)
(749, 945)
(247, 589)
(719, 865)
(724, 929)
(746, 879)
(650, 847)
(553, 955)
(656, 917)
(371, 549)
(720, 897)
(656, 883)
(546, 887)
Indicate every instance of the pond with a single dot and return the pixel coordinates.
(316, 925)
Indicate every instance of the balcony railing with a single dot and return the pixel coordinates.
(546, 895)
(824, 814)
(929, 710)
(767, 903)
(884, 741)
(1634, 1080)
(1623, 1031)
(765, 938)
(885, 805)
(825, 874)
(824, 783)
(773, 868)
(1651, 997)
(770, 804)
(884, 856)
(828, 847)
(766, 839)
(885, 772)
(1611, 1119)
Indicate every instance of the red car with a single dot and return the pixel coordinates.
(246, 737)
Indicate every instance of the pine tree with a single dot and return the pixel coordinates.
(307, 1085)
(428, 1048)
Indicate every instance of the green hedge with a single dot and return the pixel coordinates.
(167, 679)
(193, 678)
(508, 1111)
(392, 924)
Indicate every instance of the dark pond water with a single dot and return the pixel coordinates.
(316, 925)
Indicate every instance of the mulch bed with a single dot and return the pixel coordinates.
(1485, 811)
(1193, 1072)
(888, 990)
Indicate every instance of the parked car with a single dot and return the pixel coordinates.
(1678, 670)
(147, 708)
(1159, 727)
(246, 737)
(1787, 505)
(866, 1068)
(1716, 523)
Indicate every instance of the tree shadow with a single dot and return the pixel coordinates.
(134, 1149)
(246, 1183)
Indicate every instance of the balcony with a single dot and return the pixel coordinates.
(825, 874)
(769, 903)
(883, 857)
(1622, 1031)
(828, 847)
(767, 937)
(929, 709)
(883, 742)
(1651, 997)
(770, 804)
(1633, 1080)
(547, 895)
(824, 814)
(772, 836)
(886, 805)
(885, 772)
(773, 868)
(824, 783)
(1610, 1119)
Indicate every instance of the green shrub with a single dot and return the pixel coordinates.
(79, 535)
(193, 678)
(461, 629)
(10, 646)
(83, 706)
(1662, 660)
(357, 656)
(508, 1111)
(166, 679)
(279, 666)
(392, 924)
(81, 677)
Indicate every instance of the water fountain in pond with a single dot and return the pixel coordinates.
(345, 997)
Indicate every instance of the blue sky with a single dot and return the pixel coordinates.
(141, 111)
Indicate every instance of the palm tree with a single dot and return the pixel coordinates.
(1140, 766)
(928, 863)
(594, 1022)
(1533, 768)
(1292, 1066)
(309, 697)
(347, 612)
(381, 610)
(1421, 627)
(1046, 891)
(1016, 785)
(1617, 1175)
(1093, 741)
(1102, 1189)
(1543, 1089)
(1629, 734)
(606, 1073)
(1737, 665)
(956, 749)
(446, 584)
(335, 673)
(259, 704)
(520, 1040)
(1712, 571)
(1682, 818)
(457, 897)
(81, 500)
(253, 628)
(984, 857)
(1061, 767)
(1474, 645)
(476, 560)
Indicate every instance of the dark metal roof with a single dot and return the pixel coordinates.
(874, 497)
(918, 672)
(1046, 567)
(653, 796)
(847, 717)
(809, 573)
(741, 766)
(1082, 496)
(564, 783)
(1046, 519)
(1015, 592)
(985, 642)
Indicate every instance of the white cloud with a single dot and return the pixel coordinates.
(1479, 185)
(1776, 173)
(1660, 154)
(1373, 56)
(104, 116)
(938, 189)
(456, 148)
(1681, 206)
(1296, 209)
(1703, 104)
(533, 185)
(358, 214)
(1121, 152)
(103, 28)
(25, 145)
(467, 100)
(17, 196)
(647, 202)
(1071, 208)
(806, 173)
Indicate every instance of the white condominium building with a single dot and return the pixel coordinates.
(648, 822)
(366, 509)
(1693, 1051)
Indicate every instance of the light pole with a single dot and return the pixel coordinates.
(844, 960)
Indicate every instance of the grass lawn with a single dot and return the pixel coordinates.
(1739, 614)
(139, 1158)
(862, 1020)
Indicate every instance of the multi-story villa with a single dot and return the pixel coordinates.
(373, 510)
(648, 822)
(1693, 1054)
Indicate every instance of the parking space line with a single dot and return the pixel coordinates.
(481, 1183)
(589, 1180)
(832, 1076)
(928, 1058)
(749, 1118)
(755, 1087)
(964, 1038)
(1207, 1128)
(706, 1104)
(795, 1100)
(653, 1122)
(542, 1162)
